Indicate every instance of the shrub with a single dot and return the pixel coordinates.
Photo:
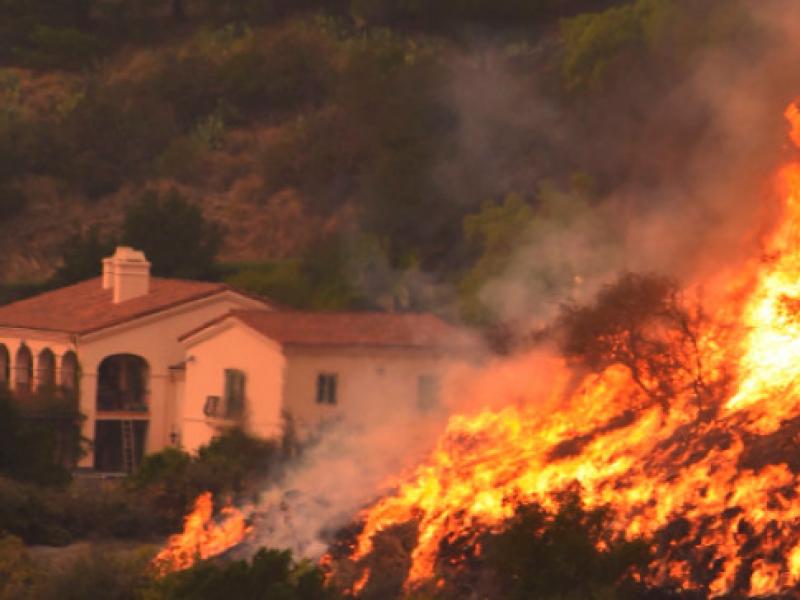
(100, 573)
(233, 463)
(81, 255)
(270, 574)
(39, 447)
(112, 136)
(174, 235)
(17, 571)
(53, 48)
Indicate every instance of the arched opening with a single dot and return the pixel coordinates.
(23, 372)
(122, 387)
(5, 367)
(46, 370)
(69, 372)
(122, 381)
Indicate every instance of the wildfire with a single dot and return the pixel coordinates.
(652, 465)
(202, 536)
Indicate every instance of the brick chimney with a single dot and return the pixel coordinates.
(126, 274)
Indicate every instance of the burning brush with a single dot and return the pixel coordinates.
(684, 422)
(203, 536)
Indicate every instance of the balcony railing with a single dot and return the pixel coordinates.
(228, 409)
(121, 400)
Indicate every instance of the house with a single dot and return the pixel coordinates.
(112, 342)
(154, 362)
(258, 367)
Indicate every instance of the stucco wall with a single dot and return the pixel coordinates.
(372, 382)
(156, 340)
(232, 346)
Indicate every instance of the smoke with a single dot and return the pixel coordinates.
(353, 462)
(682, 167)
(682, 157)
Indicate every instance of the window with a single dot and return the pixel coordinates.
(234, 393)
(427, 392)
(326, 388)
(211, 408)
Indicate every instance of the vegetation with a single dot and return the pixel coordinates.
(40, 439)
(643, 323)
(361, 111)
(150, 504)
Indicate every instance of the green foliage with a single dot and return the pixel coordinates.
(545, 249)
(284, 282)
(663, 33)
(546, 555)
(230, 464)
(81, 255)
(67, 47)
(496, 230)
(270, 574)
(111, 136)
(40, 439)
(456, 13)
(100, 573)
(17, 571)
(174, 235)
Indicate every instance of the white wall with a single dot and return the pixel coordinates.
(156, 340)
(232, 346)
(373, 383)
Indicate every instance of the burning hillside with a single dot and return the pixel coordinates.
(684, 420)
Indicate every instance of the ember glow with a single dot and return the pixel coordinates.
(202, 536)
(722, 468)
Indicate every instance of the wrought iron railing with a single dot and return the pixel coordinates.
(121, 400)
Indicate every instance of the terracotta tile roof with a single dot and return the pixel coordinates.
(86, 306)
(301, 328)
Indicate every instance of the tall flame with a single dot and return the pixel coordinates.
(650, 466)
(202, 536)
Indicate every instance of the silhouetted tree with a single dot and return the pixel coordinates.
(642, 323)
(174, 235)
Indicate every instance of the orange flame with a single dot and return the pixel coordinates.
(651, 467)
(202, 536)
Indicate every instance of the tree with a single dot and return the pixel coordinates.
(642, 323)
(174, 235)
(572, 552)
(82, 254)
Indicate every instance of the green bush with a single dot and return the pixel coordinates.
(270, 574)
(54, 48)
(100, 573)
(291, 71)
(174, 234)
(233, 463)
(39, 446)
(17, 572)
(112, 136)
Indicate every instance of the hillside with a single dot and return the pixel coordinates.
(434, 149)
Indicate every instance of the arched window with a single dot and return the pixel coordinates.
(46, 370)
(23, 372)
(5, 367)
(122, 383)
(69, 371)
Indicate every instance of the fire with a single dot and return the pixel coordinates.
(651, 464)
(202, 536)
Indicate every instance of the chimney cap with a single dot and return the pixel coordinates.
(128, 254)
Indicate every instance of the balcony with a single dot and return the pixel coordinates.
(121, 401)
